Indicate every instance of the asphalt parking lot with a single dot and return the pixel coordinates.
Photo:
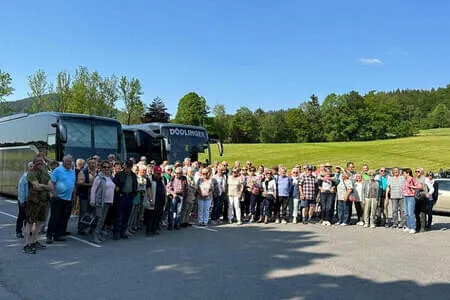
(274, 261)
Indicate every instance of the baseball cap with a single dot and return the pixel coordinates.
(309, 167)
(128, 163)
(157, 169)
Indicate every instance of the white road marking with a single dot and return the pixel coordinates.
(70, 236)
(11, 201)
(205, 228)
(84, 241)
(9, 215)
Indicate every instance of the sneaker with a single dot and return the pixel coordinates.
(305, 222)
(277, 221)
(230, 221)
(405, 229)
(412, 231)
(344, 224)
(283, 222)
(239, 223)
(366, 226)
(373, 226)
(29, 250)
(19, 235)
(39, 246)
(294, 221)
(360, 223)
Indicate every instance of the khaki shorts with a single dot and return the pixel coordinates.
(36, 212)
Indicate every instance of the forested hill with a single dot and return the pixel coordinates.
(24, 105)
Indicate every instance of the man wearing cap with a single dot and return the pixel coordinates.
(126, 188)
(308, 191)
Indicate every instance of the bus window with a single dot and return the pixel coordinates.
(51, 144)
(105, 137)
(78, 134)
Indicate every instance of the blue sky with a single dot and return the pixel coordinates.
(254, 53)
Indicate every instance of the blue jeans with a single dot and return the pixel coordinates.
(175, 207)
(123, 211)
(410, 204)
(203, 210)
(344, 211)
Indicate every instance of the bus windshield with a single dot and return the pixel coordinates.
(185, 142)
(85, 137)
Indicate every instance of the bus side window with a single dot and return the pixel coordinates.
(51, 146)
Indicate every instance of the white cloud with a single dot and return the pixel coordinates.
(370, 61)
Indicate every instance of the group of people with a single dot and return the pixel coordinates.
(116, 199)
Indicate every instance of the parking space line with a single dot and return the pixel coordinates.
(205, 228)
(9, 215)
(11, 201)
(84, 241)
(70, 236)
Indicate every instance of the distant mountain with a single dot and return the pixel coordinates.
(24, 105)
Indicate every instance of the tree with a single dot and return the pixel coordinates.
(313, 128)
(274, 129)
(130, 91)
(192, 110)
(156, 112)
(63, 92)
(440, 117)
(6, 90)
(244, 126)
(40, 89)
(220, 122)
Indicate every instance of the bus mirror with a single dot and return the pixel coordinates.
(166, 142)
(62, 133)
(220, 145)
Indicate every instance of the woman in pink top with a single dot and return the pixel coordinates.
(408, 191)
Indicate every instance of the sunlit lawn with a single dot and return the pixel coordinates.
(429, 149)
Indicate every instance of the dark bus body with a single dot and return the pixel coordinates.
(55, 134)
(142, 143)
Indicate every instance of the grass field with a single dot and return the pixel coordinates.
(429, 150)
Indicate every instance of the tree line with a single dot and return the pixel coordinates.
(346, 117)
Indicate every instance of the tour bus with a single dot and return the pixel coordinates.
(54, 134)
(143, 143)
(181, 141)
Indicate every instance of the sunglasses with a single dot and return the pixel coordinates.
(205, 173)
(417, 171)
(382, 170)
(178, 173)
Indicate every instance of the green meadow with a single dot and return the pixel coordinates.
(428, 149)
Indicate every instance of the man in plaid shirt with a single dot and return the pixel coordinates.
(308, 192)
(176, 190)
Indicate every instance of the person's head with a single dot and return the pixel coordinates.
(235, 172)
(261, 169)
(371, 174)
(67, 161)
(206, 172)
(275, 170)
(365, 168)
(350, 166)
(237, 164)
(283, 171)
(111, 157)
(168, 170)
(268, 173)
(252, 170)
(407, 172)
(178, 172)
(321, 167)
(358, 177)
(143, 160)
(54, 164)
(92, 163)
(149, 169)
(338, 169)
(142, 170)
(177, 164)
(430, 175)
(30, 165)
(345, 175)
(309, 169)
(395, 172)
(383, 171)
(420, 172)
(190, 172)
(327, 171)
(225, 165)
(128, 165)
(328, 165)
(187, 161)
(117, 167)
(80, 163)
(294, 172)
(244, 171)
(105, 167)
(248, 163)
(157, 172)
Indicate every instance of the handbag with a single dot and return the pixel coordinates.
(351, 197)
